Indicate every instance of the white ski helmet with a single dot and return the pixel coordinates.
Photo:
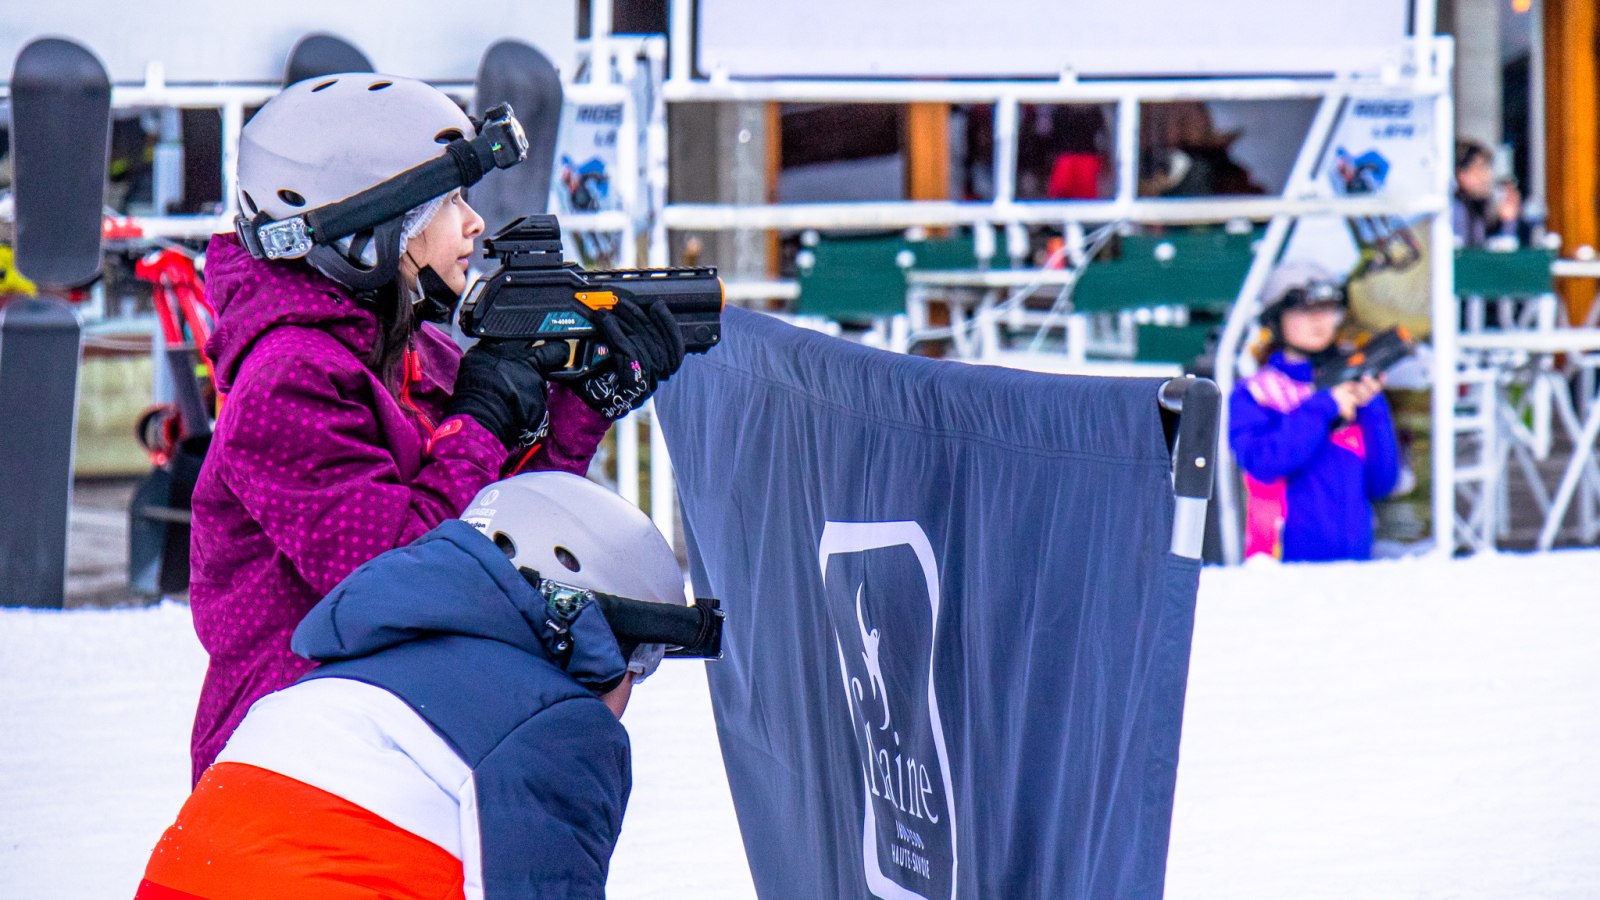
(324, 139)
(1314, 282)
(577, 533)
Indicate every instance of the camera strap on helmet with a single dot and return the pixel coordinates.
(500, 144)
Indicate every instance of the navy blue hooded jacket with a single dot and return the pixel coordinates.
(448, 626)
(1311, 480)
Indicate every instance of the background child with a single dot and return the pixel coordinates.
(1313, 460)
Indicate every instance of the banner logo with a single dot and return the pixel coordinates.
(884, 599)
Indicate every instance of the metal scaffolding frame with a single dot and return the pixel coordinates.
(1427, 77)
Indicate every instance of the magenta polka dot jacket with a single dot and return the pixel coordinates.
(316, 468)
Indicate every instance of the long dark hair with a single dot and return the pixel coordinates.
(391, 303)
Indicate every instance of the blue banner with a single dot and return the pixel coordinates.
(956, 643)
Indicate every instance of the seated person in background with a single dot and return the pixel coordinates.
(1313, 460)
(460, 737)
(1081, 170)
(1184, 155)
(1478, 211)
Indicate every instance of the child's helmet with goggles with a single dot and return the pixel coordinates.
(330, 166)
(1299, 284)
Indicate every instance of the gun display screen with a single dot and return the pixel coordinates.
(1374, 357)
(536, 296)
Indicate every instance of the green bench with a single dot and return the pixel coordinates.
(1520, 273)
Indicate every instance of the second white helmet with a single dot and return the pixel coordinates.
(577, 533)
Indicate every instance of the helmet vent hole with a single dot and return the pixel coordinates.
(378, 85)
(291, 198)
(565, 557)
(325, 84)
(250, 202)
(448, 135)
(505, 543)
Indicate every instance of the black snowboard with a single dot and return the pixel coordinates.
(323, 54)
(39, 341)
(60, 138)
(515, 73)
(60, 133)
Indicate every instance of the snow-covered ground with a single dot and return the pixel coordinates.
(1408, 729)
(1405, 729)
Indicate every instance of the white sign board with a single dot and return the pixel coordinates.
(205, 42)
(1034, 38)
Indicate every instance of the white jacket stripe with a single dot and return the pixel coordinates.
(471, 846)
(365, 745)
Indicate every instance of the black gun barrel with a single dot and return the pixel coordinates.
(694, 294)
(1374, 357)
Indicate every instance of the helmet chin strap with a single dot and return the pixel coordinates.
(327, 259)
(438, 299)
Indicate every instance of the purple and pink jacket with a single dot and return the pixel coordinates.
(1310, 480)
(316, 468)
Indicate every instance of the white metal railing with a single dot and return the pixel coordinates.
(1174, 211)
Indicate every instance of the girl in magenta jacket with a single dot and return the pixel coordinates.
(353, 425)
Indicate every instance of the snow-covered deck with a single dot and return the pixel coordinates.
(1408, 729)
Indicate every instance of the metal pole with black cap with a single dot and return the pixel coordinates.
(1195, 403)
(60, 134)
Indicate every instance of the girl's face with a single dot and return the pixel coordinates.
(1311, 329)
(446, 244)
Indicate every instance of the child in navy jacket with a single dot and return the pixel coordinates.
(1313, 460)
(460, 737)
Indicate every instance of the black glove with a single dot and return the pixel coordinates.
(501, 384)
(645, 349)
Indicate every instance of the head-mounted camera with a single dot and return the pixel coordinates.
(690, 632)
(1315, 293)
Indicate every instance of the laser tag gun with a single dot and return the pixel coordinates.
(1374, 357)
(690, 632)
(535, 296)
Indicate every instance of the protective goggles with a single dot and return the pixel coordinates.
(500, 144)
(1316, 293)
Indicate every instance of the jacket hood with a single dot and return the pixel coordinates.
(253, 296)
(453, 580)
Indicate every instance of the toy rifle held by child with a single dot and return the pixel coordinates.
(1374, 357)
(535, 296)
